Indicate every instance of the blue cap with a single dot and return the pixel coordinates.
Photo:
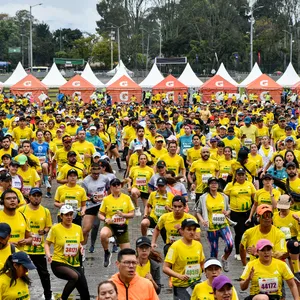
(23, 259)
(247, 120)
(289, 139)
(35, 190)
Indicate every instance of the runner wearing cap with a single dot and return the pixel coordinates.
(241, 192)
(148, 262)
(6, 248)
(159, 203)
(72, 194)
(185, 260)
(249, 132)
(14, 280)
(161, 172)
(213, 211)
(66, 238)
(265, 229)
(265, 275)
(204, 290)
(223, 288)
(158, 150)
(40, 222)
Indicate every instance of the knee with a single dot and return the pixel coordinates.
(135, 193)
(261, 297)
(105, 234)
(293, 247)
(145, 223)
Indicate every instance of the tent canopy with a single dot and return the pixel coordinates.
(223, 73)
(169, 84)
(189, 78)
(120, 72)
(29, 83)
(54, 79)
(89, 75)
(124, 83)
(264, 82)
(18, 74)
(116, 69)
(289, 77)
(254, 74)
(77, 83)
(153, 78)
(218, 83)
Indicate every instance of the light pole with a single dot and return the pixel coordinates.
(112, 38)
(147, 54)
(291, 44)
(119, 44)
(30, 33)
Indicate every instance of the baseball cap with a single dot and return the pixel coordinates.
(213, 140)
(263, 243)
(66, 209)
(5, 230)
(261, 209)
(284, 202)
(23, 259)
(78, 119)
(290, 164)
(35, 190)
(14, 163)
(142, 241)
(161, 181)
(138, 147)
(93, 128)
(126, 119)
(72, 171)
(212, 262)
(220, 281)
(115, 181)
(22, 159)
(17, 119)
(71, 153)
(281, 118)
(230, 129)
(84, 121)
(267, 176)
(189, 222)
(105, 157)
(5, 176)
(159, 139)
(151, 127)
(161, 164)
(211, 179)
(223, 127)
(178, 198)
(289, 139)
(240, 171)
(96, 154)
(172, 138)
(247, 120)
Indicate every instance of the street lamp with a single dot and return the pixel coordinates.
(30, 33)
(147, 55)
(119, 45)
(291, 44)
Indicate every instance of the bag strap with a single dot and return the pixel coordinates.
(12, 248)
(76, 167)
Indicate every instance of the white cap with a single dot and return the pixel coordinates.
(84, 121)
(66, 209)
(93, 127)
(96, 154)
(138, 147)
(17, 119)
(212, 262)
(172, 138)
(78, 119)
(223, 127)
(105, 157)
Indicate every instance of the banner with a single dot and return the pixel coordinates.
(14, 49)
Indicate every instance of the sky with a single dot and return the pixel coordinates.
(81, 14)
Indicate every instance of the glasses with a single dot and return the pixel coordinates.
(267, 215)
(128, 263)
(116, 184)
(159, 142)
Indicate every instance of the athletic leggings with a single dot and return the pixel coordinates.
(213, 238)
(75, 277)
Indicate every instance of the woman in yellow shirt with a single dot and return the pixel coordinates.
(256, 158)
(66, 238)
(104, 136)
(225, 165)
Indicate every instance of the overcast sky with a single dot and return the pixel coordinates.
(81, 14)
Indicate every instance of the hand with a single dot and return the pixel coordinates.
(108, 221)
(149, 276)
(22, 242)
(86, 155)
(83, 209)
(49, 259)
(252, 250)
(262, 174)
(296, 217)
(251, 274)
(205, 223)
(129, 190)
(177, 226)
(225, 213)
(41, 232)
(248, 221)
(120, 214)
(193, 186)
(183, 277)
(153, 245)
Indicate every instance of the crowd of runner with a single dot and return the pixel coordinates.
(229, 168)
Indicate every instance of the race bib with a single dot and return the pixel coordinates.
(268, 285)
(141, 181)
(118, 220)
(287, 232)
(71, 249)
(174, 238)
(159, 210)
(193, 271)
(98, 197)
(73, 203)
(225, 176)
(205, 177)
(36, 239)
(248, 142)
(42, 159)
(218, 219)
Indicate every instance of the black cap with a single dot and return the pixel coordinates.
(178, 198)
(72, 171)
(211, 179)
(189, 222)
(115, 181)
(161, 181)
(6, 156)
(71, 153)
(267, 176)
(5, 230)
(14, 163)
(35, 190)
(243, 154)
(240, 171)
(230, 129)
(290, 164)
(5, 176)
(143, 241)
(161, 164)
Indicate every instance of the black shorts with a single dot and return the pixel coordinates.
(145, 195)
(113, 146)
(152, 222)
(92, 211)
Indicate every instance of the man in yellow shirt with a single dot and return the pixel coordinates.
(158, 150)
(278, 130)
(249, 133)
(7, 148)
(22, 132)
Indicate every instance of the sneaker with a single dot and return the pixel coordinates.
(237, 257)
(92, 249)
(107, 258)
(48, 195)
(297, 277)
(111, 240)
(225, 265)
(149, 232)
(83, 254)
(137, 212)
(47, 183)
(115, 248)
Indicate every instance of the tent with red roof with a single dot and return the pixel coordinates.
(214, 85)
(265, 84)
(80, 86)
(170, 85)
(123, 89)
(29, 85)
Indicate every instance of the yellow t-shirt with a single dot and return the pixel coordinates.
(263, 197)
(175, 163)
(38, 220)
(158, 204)
(264, 131)
(66, 243)
(267, 279)
(61, 157)
(288, 225)
(72, 130)
(4, 254)
(134, 159)
(250, 165)
(64, 171)
(251, 133)
(295, 187)
(142, 271)
(21, 135)
(168, 222)
(19, 290)
(30, 178)
(257, 159)
(193, 154)
(225, 168)
(157, 153)
(58, 142)
(112, 132)
(141, 177)
(277, 133)
(252, 235)
(204, 169)
(84, 148)
(235, 143)
(33, 158)
(185, 260)
(240, 195)
(110, 205)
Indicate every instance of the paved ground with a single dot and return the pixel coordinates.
(95, 272)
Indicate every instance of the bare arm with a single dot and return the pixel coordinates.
(293, 287)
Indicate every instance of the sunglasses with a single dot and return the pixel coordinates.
(116, 184)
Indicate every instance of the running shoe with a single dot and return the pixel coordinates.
(149, 232)
(92, 249)
(115, 248)
(225, 265)
(107, 258)
(137, 212)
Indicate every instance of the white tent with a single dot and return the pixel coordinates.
(89, 75)
(153, 78)
(18, 74)
(189, 78)
(254, 74)
(116, 69)
(120, 72)
(289, 77)
(223, 73)
(54, 79)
